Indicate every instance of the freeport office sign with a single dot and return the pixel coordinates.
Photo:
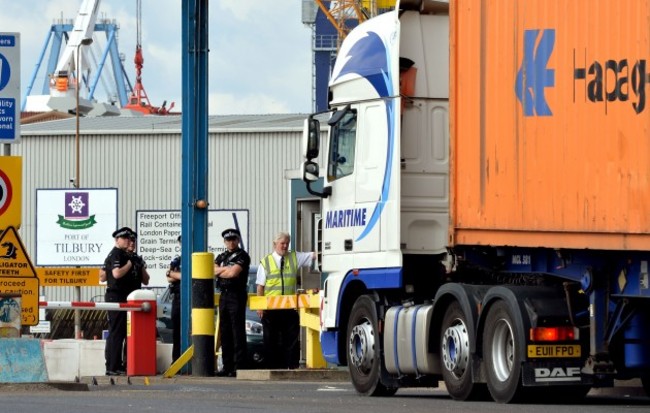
(158, 232)
(9, 87)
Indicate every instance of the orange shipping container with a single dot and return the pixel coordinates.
(550, 123)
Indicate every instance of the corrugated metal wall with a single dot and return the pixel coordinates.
(246, 170)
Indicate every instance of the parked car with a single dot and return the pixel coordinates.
(254, 336)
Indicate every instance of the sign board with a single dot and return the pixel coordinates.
(14, 260)
(11, 182)
(17, 275)
(68, 276)
(74, 226)
(28, 289)
(43, 327)
(10, 315)
(158, 232)
(9, 87)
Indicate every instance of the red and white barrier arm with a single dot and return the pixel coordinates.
(79, 305)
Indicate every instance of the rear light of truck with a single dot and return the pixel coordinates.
(564, 333)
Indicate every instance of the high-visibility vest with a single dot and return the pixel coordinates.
(281, 282)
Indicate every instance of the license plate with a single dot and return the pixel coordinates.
(553, 350)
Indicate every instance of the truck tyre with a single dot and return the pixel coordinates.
(455, 357)
(364, 349)
(501, 354)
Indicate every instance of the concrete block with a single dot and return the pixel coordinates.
(21, 361)
(163, 356)
(62, 359)
(92, 361)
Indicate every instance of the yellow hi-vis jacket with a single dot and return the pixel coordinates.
(281, 282)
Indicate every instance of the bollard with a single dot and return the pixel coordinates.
(141, 334)
(203, 313)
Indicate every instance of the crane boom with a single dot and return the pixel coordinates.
(62, 80)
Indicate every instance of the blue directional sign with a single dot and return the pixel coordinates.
(9, 87)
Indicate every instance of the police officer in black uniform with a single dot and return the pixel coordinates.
(231, 270)
(174, 279)
(139, 274)
(118, 266)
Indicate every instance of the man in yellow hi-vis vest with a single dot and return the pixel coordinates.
(277, 274)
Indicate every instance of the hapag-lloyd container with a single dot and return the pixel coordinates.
(550, 123)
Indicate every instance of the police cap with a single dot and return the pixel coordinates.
(124, 232)
(230, 233)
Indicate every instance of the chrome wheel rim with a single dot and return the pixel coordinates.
(503, 350)
(455, 348)
(362, 346)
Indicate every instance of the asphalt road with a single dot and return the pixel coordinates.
(200, 395)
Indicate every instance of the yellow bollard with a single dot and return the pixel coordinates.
(203, 313)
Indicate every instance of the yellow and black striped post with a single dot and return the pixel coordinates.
(203, 314)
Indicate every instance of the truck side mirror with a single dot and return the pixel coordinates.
(310, 173)
(311, 138)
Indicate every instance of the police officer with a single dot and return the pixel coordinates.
(118, 266)
(139, 274)
(174, 279)
(231, 270)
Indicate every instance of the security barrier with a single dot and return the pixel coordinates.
(81, 305)
(308, 304)
(141, 327)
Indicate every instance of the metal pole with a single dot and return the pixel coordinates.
(77, 177)
(194, 202)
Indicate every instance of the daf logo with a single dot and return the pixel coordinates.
(557, 374)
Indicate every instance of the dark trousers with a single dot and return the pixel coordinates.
(281, 339)
(232, 324)
(114, 349)
(176, 325)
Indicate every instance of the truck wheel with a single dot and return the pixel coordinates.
(501, 354)
(455, 355)
(363, 349)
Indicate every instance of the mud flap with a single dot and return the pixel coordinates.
(554, 373)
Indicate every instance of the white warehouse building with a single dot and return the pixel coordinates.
(252, 166)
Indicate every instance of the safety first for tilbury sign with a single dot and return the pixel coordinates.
(68, 276)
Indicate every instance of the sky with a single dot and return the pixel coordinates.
(259, 61)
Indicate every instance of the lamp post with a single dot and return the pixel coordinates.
(84, 42)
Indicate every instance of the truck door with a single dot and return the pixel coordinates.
(338, 209)
(361, 170)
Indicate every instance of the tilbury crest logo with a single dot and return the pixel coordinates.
(76, 212)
